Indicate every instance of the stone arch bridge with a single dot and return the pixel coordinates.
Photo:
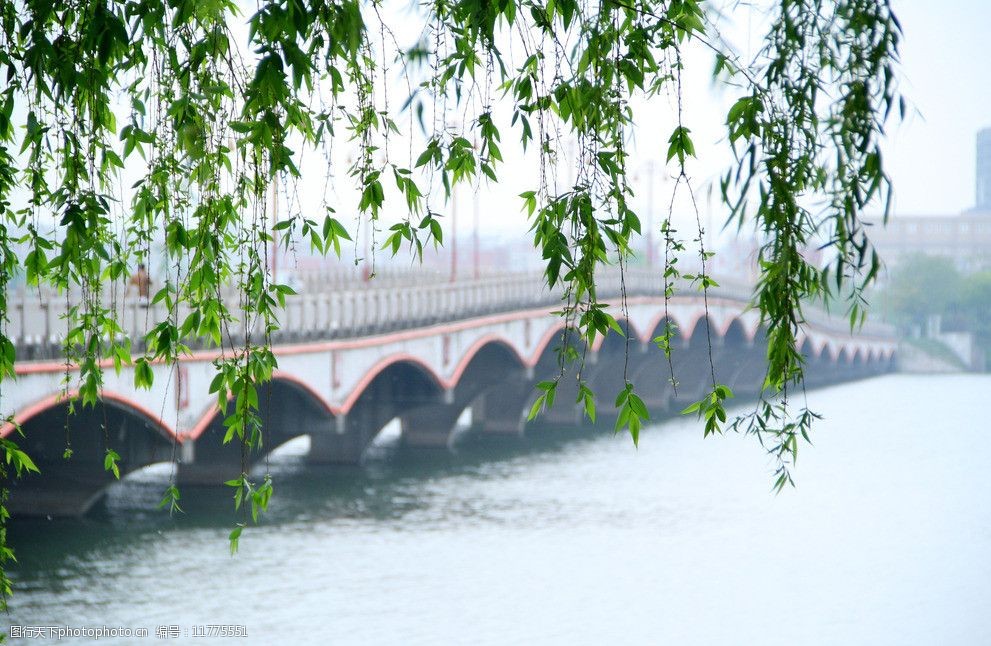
(352, 361)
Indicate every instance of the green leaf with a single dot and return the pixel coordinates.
(171, 500)
(234, 537)
(110, 460)
(144, 377)
(680, 145)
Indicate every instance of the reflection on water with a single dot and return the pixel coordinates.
(391, 490)
(587, 540)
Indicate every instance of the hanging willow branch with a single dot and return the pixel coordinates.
(129, 125)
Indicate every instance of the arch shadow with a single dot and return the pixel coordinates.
(69, 449)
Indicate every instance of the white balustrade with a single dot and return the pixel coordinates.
(336, 304)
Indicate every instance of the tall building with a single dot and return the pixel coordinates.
(983, 197)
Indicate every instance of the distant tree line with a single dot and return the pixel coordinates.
(923, 287)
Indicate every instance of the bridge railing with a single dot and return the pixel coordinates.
(37, 321)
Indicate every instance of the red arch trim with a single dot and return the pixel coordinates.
(654, 322)
(440, 380)
(806, 341)
(601, 338)
(375, 370)
(207, 417)
(635, 334)
(279, 375)
(476, 347)
(40, 406)
(544, 341)
(748, 334)
(829, 348)
(696, 321)
(749, 331)
(213, 410)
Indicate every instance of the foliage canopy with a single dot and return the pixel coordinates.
(123, 120)
(922, 287)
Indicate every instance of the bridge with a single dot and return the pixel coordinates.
(352, 359)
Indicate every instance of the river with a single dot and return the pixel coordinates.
(885, 540)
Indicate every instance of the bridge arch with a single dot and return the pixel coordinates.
(830, 350)
(483, 344)
(735, 333)
(657, 326)
(488, 381)
(383, 368)
(616, 358)
(544, 366)
(545, 348)
(611, 340)
(544, 357)
(808, 349)
(650, 371)
(288, 408)
(107, 398)
(396, 386)
(702, 327)
(71, 486)
(279, 379)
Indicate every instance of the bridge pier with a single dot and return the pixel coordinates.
(652, 378)
(342, 440)
(745, 376)
(565, 413)
(497, 395)
(60, 490)
(208, 462)
(692, 373)
(430, 427)
(214, 474)
(502, 410)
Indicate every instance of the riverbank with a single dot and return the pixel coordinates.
(927, 356)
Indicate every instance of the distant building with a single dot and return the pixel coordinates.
(983, 194)
(966, 238)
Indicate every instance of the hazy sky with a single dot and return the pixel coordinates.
(930, 156)
(947, 75)
(946, 78)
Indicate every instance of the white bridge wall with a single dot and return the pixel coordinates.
(337, 371)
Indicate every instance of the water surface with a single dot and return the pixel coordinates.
(885, 540)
